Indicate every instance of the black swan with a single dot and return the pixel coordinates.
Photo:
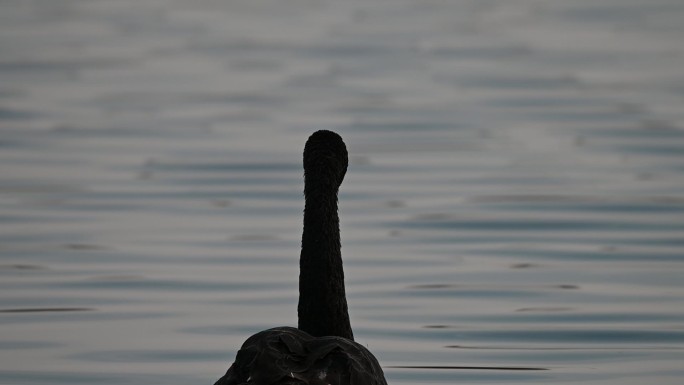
(321, 351)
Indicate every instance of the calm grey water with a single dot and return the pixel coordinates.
(513, 212)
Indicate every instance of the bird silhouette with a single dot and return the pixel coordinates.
(322, 350)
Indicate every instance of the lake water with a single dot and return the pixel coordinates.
(513, 212)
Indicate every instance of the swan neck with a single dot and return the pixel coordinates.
(322, 301)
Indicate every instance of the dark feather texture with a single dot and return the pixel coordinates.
(287, 355)
(322, 351)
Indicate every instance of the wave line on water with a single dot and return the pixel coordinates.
(648, 348)
(46, 309)
(464, 367)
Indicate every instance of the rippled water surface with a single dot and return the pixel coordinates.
(513, 212)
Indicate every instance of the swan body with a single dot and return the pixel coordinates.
(321, 351)
(287, 355)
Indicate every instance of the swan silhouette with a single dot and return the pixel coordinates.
(321, 351)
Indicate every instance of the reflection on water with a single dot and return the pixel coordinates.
(512, 212)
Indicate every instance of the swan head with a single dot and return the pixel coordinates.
(325, 158)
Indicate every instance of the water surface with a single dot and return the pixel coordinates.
(513, 211)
